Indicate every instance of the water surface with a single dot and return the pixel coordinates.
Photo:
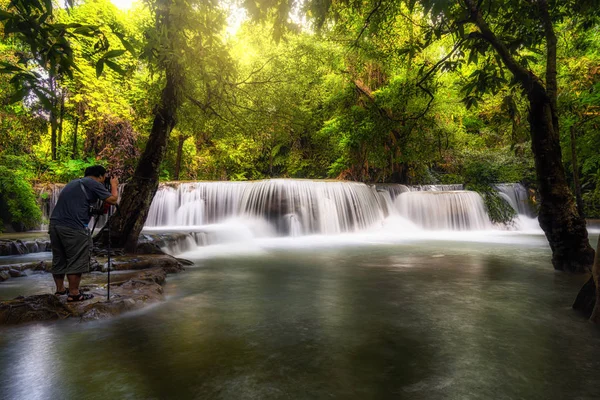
(295, 319)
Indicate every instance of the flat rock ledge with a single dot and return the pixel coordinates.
(140, 286)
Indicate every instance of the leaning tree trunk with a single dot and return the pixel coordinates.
(138, 194)
(558, 216)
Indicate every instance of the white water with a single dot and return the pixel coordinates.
(292, 207)
(456, 210)
(239, 212)
(219, 213)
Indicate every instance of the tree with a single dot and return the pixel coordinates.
(558, 216)
(177, 24)
(45, 55)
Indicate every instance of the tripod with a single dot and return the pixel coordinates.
(108, 256)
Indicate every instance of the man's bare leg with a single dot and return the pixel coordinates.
(59, 280)
(74, 280)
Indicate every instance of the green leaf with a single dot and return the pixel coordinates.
(7, 67)
(113, 54)
(85, 31)
(99, 68)
(5, 15)
(18, 95)
(43, 99)
(125, 42)
(115, 67)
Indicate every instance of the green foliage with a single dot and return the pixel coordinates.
(591, 201)
(402, 92)
(17, 200)
(491, 167)
(498, 209)
(65, 171)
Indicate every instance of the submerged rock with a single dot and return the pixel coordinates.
(15, 273)
(168, 263)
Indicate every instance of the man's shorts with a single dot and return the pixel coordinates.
(70, 250)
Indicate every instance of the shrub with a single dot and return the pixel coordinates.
(17, 200)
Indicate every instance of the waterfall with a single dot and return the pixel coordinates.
(195, 203)
(516, 195)
(48, 196)
(437, 210)
(290, 207)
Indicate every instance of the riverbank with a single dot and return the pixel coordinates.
(136, 283)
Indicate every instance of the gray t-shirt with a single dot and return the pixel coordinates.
(72, 206)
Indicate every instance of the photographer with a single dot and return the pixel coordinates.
(70, 238)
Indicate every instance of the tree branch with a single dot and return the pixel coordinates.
(367, 21)
(525, 77)
(428, 74)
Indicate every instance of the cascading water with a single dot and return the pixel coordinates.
(516, 195)
(195, 203)
(48, 196)
(225, 212)
(291, 206)
(456, 210)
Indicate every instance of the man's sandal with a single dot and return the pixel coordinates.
(79, 297)
(66, 291)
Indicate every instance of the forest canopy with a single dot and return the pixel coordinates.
(354, 92)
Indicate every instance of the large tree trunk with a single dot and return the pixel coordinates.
(61, 117)
(53, 129)
(181, 139)
(74, 154)
(558, 216)
(138, 194)
(574, 164)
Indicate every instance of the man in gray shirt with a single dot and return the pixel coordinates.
(70, 237)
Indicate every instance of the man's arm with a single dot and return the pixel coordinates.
(114, 189)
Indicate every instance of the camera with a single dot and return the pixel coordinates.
(100, 207)
(107, 182)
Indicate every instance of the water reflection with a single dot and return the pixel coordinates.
(418, 321)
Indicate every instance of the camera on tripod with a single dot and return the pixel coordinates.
(100, 207)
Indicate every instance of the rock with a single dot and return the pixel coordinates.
(19, 248)
(183, 261)
(586, 298)
(144, 288)
(10, 247)
(148, 248)
(4, 275)
(43, 307)
(41, 266)
(15, 273)
(105, 310)
(168, 263)
(95, 265)
(5, 248)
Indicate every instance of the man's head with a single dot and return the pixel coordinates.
(96, 171)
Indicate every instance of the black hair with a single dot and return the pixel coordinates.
(96, 170)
